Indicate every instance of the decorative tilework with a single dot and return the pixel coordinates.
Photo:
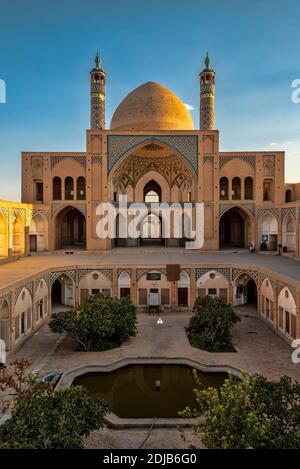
(28, 286)
(55, 275)
(6, 297)
(96, 159)
(262, 276)
(5, 212)
(43, 213)
(224, 159)
(141, 272)
(37, 281)
(83, 272)
(209, 159)
(291, 210)
(251, 273)
(184, 145)
(19, 211)
(227, 206)
(281, 285)
(203, 270)
(268, 211)
(55, 159)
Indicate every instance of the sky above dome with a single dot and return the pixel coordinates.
(47, 49)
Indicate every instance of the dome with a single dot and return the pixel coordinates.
(151, 107)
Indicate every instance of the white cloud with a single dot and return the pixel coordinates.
(272, 144)
(189, 107)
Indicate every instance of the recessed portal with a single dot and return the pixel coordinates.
(233, 228)
(70, 229)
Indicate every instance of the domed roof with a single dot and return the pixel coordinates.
(151, 107)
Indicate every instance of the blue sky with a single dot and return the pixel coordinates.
(47, 49)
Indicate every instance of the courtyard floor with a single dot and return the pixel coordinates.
(259, 350)
(21, 269)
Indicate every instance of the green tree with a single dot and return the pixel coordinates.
(209, 327)
(42, 418)
(100, 323)
(249, 413)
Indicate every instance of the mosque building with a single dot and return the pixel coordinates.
(151, 153)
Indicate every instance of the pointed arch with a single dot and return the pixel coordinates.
(289, 233)
(18, 230)
(70, 229)
(236, 227)
(38, 233)
(3, 236)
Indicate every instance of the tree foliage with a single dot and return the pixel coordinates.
(42, 418)
(249, 413)
(209, 327)
(101, 323)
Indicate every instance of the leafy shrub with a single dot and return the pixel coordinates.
(100, 323)
(249, 413)
(209, 327)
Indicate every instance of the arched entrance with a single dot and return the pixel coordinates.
(152, 192)
(151, 231)
(251, 292)
(289, 233)
(38, 234)
(234, 229)
(268, 233)
(245, 292)
(70, 229)
(62, 292)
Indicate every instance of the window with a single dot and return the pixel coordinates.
(201, 292)
(95, 291)
(268, 190)
(165, 296)
(81, 188)
(56, 188)
(142, 296)
(236, 188)
(17, 327)
(106, 291)
(28, 318)
(124, 292)
(287, 323)
(183, 296)
(223, 294)
(23, 323)
(84, 294)
(267, 308)
(288, 196)
(280, 317)
(39, 192)
(152, 192)
(69, 188)
(212, 292)
(248, 188)
(40, 309)
(223, 188)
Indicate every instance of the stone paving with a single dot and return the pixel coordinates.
(259, 350)
(23, 268)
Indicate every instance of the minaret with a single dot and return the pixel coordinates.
(98, 80)
(207, 97)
